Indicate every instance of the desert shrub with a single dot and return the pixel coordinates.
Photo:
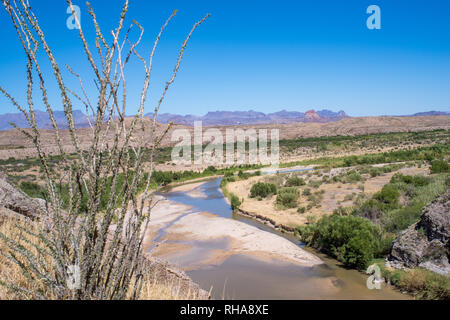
(162, 177)
(295, 181)
(229, 174)
(231, 179)
(388, 195)
(385, 244)
(401, 219)
(315, 183)
(374, 172)
(261, 189)
(315, 198)
(336, 179)
(352, 177)
(301, 210)
(420, 181)
(211, 169)
(33, 190)
(370, 209)
(438, 166)
(343, 211)
(417, 181)
(409, 190)
(243, 175)
(307, 192)
(354, 241)
(288, 197)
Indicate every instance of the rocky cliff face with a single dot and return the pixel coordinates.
(426, 243)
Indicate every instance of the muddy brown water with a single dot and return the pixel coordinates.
(244, 277)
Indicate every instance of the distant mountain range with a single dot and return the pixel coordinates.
(43, 120)
(215, 118)
(431, 113)
(226, 118)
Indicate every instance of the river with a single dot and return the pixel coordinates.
(244, 277)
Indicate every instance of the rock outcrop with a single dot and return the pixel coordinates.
(17, 201)
(426, 243)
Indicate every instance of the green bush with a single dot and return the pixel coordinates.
(235, 202)
(439, 166)
(288, 197)
(301, 210)
(243, 175)
(417, 181)
(261, 189)
(295, 182)
(230, 179)
(315, 183)
(401, 219)
(33, 190)
(388, 195)
(352, 177)
(211, 169)
(374, 172)
(370, 209)
(229, 174)
(354, 241)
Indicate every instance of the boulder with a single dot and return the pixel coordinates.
(426, 243)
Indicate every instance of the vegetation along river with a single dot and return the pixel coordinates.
(242, 276)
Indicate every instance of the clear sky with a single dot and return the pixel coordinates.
(264, 55)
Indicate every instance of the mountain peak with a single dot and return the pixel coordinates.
(312, 115)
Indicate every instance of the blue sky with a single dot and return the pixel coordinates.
(263, 55)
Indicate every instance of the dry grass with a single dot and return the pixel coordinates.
(155, 290)
(11, 273)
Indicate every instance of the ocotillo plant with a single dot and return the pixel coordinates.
(89, 244)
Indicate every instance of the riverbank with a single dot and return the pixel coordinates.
(319, 195)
